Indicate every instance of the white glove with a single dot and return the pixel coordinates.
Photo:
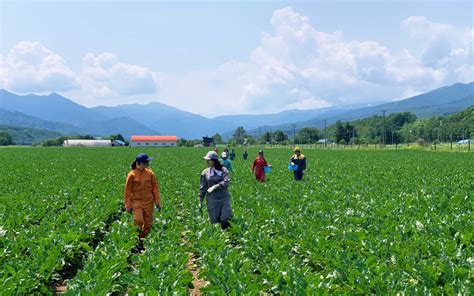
(212, 188)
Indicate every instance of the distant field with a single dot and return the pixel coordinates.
(365, 221)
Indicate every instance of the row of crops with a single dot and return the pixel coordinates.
(360, 222)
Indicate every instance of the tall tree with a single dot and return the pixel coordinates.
(280, 136)
(308, 135)
(267, 137)
(217, 138)
(239, 135)
(5, 139)
(340, 131)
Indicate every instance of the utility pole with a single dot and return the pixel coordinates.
(353, 135)
(325, 138)
(383, 134)
(271, 138)
(294, 134)
(440, 125)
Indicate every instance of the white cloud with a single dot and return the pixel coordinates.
(31, 67)
(293, 66)
(298, 59)
(447, 48)
(336, 71)
(211, 92)
(104, 75)
(104, 79)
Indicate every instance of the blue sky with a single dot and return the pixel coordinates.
(241, 57)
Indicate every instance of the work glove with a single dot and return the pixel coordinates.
(129, 210)
(212, 188)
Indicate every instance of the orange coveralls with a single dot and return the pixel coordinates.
(141, 192)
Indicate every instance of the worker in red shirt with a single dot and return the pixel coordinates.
(258, 167)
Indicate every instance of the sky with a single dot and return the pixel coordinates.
(235, 57)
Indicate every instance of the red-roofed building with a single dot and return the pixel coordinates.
(154, 141)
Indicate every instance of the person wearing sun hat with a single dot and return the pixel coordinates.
(214, 185)
(226, 162)
(299, 160)
(141, 193)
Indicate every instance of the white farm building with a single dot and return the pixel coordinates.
(154, 141)
(87, 143)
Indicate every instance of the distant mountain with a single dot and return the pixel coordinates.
(52, 108)
(259, 124)
(288, 116)
(455, 98)
(172, 121)
(120, 125)
(442, 101)
(444, 109)
(158, 118)
(109, 112)
(163, 118)
(18, 119)
(59, 114)
(124, 125)
(28, 136)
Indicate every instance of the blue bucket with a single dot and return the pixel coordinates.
(267, 169)
(292, 167)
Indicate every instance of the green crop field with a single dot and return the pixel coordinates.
(360, 222)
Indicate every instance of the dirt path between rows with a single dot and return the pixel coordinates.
(191, 266)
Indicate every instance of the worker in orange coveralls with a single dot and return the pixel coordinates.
(141, 192)
(258, 167)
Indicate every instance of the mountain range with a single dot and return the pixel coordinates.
(439, 102)
(62, 115)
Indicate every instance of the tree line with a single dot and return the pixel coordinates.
(394, 128)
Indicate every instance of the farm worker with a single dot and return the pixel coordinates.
(141, 192)
(232, 154)
(299, 160)
(216, 149)
(258, 167)
(213, 185)
(226, 162)
(245, 155)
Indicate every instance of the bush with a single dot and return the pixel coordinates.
(6, 139)
(421, 142)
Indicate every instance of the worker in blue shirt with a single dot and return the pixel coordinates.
(226, 162)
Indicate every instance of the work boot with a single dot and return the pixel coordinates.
(225, 224)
